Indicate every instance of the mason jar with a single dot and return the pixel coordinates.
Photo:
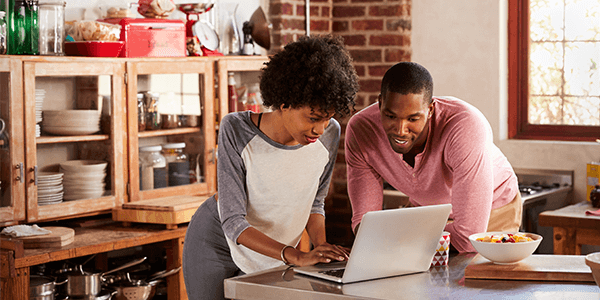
(52, 27)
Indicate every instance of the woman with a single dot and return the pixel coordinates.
(274, 171)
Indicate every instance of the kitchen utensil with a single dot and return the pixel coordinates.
(505, 253)
(104, 294)
(544, 267)
(94, 48)
(59, 236)
(260, 28)
(43, 286)
(206, 34)
(593, 261)
(82, 283)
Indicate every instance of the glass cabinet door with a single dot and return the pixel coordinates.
(12, 155)
(245, 72)
(75, 137)
(171, 128)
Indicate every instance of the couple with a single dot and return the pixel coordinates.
(274, 168)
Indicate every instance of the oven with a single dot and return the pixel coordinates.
(543, 190)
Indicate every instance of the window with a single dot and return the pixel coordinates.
(554, 69)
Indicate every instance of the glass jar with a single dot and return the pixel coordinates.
(178, 165)
(153, 121)
(52, 27)
(3, 43)
(141, 111)
(23, 29)
(153, 168)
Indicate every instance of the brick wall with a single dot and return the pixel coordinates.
(378, 35)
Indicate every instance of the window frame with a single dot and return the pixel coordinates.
(518, 86)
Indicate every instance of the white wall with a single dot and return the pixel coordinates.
(463, 44)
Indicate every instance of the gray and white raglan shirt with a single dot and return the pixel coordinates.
(271, 187)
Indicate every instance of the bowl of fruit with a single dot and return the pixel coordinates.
(505, 247)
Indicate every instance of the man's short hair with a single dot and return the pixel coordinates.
(408, 78)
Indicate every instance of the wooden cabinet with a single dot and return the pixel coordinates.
(185, 87)
(12, 156)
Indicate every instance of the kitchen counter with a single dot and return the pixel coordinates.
(437, 283)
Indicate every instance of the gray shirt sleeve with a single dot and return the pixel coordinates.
(330, 139)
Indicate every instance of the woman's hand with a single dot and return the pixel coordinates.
(323, 253)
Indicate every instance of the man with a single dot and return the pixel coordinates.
(435, 150)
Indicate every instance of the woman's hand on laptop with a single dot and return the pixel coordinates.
(323, 253)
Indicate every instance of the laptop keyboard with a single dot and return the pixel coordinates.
(334, 272)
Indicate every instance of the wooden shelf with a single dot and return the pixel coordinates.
(165, 132)
(70, 139)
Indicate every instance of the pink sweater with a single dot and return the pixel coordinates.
(460, 165)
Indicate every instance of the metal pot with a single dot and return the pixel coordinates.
(81, 283)
(105, 294)
(42, 287)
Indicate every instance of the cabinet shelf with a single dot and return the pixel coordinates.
(70, 139)
(165, 132)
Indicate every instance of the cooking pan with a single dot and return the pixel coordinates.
(82, 283)
(43, 287)
(139, 289)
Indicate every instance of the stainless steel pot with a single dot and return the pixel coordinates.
(81, 283)
(43, 287)
(105, 294)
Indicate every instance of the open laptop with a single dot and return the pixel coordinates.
(388, 243)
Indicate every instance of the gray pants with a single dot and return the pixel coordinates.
(207, 260)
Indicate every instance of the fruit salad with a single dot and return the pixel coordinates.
(505, 238)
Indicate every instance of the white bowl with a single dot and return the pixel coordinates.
(505, 253)
(71, 130)
(83, 165)
(72, 113)
(83, 195)
(593, 261)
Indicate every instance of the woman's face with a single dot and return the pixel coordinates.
(305, 124)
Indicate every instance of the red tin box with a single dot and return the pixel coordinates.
(153, 38)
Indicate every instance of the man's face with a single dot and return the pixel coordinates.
(405, 121)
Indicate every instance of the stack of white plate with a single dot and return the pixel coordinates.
(71, 122)
(40, 94)
(84, 179)
(50, 188)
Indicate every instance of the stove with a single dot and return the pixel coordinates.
(543, 190)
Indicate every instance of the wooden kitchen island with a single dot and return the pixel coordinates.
(437, 283)
(572, 227)
(16, 261)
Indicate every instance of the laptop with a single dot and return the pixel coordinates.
(388, 243)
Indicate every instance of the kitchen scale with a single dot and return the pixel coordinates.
(201, 37)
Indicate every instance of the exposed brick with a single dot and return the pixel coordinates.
(340, 1)
(326, 11)
(360, 70)
(367, 25)
(395, 25)
(373, 98)
(397, 55)
(389, 40)
(339, 26)
(370, 85)
(378, 70)
(319, 25)
(355, 40)
(367, 1)
(277, 9)
(322, 1)
(301, 10)
(385, 11)
(366, 55)
(348, 11)
(298, 24)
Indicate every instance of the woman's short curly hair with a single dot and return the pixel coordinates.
(314, 71)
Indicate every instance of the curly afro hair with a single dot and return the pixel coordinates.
(314, 71)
